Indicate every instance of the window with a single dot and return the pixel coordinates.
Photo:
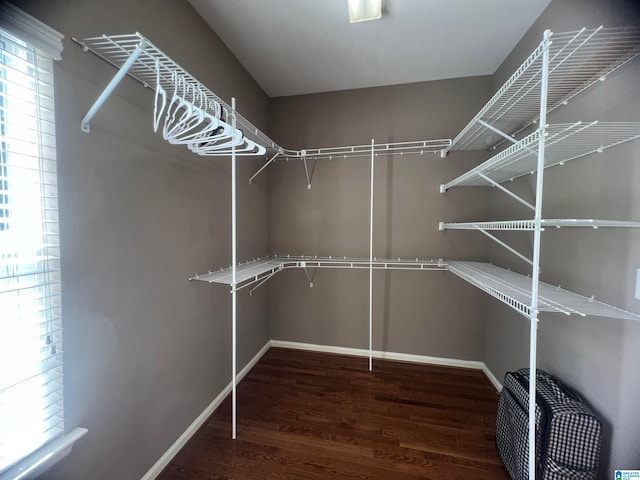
(31, 404)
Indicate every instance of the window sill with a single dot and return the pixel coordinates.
(44, 458)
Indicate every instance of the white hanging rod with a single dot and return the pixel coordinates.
(514, 290)
(578, 60)
(529, 225)
(563, 142)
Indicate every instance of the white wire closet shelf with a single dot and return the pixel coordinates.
(418, 147)
(577, 60)
(563, 142)
(151, 66)
(515, 290)
(531, 224)
(263, 268)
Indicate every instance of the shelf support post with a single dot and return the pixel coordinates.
(535, 274)
(272, 159)
(506, 190)
(496, 130)
(371, 261)
(505, 245)
(234, 258)
(85, 123)
(503, 135)
(262, 282)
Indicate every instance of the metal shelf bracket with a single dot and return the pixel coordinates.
(85, 123)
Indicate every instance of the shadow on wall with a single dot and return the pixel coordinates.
(566, 351)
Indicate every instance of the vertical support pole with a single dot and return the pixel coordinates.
(535, 274)
(371, 264)
(234, 262)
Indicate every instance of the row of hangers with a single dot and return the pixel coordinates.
(193, 118)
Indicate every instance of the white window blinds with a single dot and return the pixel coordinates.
(31, 406)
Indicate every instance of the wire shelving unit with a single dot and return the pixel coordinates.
(577, 60)
(136, 56)
(515, 290)
(561, 67)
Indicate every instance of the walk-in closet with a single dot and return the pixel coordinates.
(319, 240)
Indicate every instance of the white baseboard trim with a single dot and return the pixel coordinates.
(173, 450)
(492, 378)
(403, 357)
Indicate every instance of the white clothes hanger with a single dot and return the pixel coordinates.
(179, 110)
(158, 109)
(193, 126)
(193, 119)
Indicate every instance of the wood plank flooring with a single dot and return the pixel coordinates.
(307, 415)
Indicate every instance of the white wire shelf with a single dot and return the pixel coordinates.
(531, 224)
(263, 268)
(250, 271)
(563, 142)
(578, 60)
(509, 287)
(117, 49)
(419, 147)
(376, 263)
(515, 290)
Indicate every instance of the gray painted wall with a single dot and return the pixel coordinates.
(145, 350)
(428, 313)
(597, 356)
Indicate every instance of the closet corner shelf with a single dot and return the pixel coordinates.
(263, 268)
(509, 287)
(563, 142)
(577, 60)
(514, 290)
(530, 225)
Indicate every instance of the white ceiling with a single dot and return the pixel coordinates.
(294, 47)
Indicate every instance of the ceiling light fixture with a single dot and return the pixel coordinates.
(363, 10)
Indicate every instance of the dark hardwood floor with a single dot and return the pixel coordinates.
(307, 415)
